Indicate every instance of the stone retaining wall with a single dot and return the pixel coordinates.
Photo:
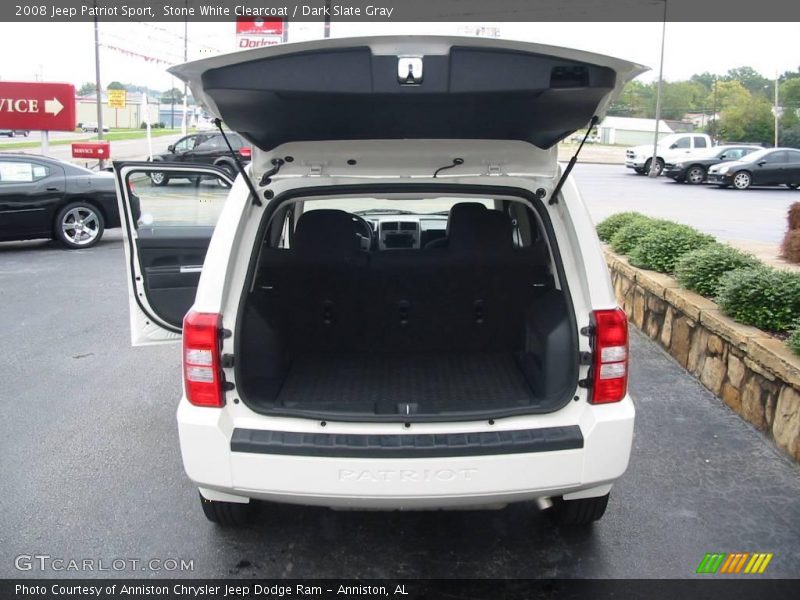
(754, 373)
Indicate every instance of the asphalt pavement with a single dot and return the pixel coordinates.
(757, 214)
(91, 467)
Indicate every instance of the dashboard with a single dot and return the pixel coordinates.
(407, 232)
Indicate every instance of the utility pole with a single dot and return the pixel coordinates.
(184, 124)
(327, 18)
(715, 128)
(98, 89)
(776, 109)
(654, 170)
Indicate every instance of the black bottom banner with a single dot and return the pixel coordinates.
(410, 589)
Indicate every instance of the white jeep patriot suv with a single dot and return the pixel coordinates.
(398, 305)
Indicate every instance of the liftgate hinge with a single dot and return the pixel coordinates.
(227, 361)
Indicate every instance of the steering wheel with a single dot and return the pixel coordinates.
(366, 237)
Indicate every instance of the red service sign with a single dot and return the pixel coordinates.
(258, 26)
(91, 150)
(37, 106)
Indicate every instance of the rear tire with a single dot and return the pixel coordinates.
(228, 514)
(578, 513)
(79, 225)
(659, 166)
(159, 178)
(229, 171)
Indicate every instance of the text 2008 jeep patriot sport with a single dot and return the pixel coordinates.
(399, 307)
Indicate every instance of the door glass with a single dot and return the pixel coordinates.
(16, 172)
(176, 198)
(775, 157)
(683, 143)
(699, 142)
(185, 144)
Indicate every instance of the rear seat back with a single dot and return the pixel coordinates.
(325, 294)
(312, 290)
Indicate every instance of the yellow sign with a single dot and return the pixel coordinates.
(117, 98)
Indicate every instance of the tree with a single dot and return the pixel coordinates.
(636, 100)
(86, 89)
(789, 93)
(173, 95)
(728, 94)
(115, 85)
(750, 121)
(752, 80)
(705, 79)
(680, 97)
(790, 138)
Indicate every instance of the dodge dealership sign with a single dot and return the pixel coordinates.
(38, 106)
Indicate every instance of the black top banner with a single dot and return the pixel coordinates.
(403, 10)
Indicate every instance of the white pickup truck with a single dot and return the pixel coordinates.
(670, 149)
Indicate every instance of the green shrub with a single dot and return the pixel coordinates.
(764, 297)
(609, 226)
(661, 247)
(794, 339)
(627, 237)
(701, 269)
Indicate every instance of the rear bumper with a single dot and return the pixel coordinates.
(401, 481)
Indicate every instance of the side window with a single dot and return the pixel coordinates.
(176, 198)
(775, 157)
(700, 142)
(185, 144)
(732, 154)
(22, 172)
(792, 156)
(683, 143)
(213, 143)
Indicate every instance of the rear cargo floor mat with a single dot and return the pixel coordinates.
(385, 384)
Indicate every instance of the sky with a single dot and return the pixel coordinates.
(139, 53)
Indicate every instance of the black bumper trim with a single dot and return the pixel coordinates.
(420, 445)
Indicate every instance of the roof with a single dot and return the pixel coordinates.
(635, 124)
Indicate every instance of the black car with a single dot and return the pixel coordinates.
(13, 132)
(694, 168)
(44, 197)
(771, 166)
(206, 148)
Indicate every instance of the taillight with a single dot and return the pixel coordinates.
(201, 373)
(246, 151)
(610, 366)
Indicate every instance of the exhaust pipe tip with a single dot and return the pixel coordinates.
(544, 503)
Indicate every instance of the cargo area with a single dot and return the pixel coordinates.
(471, 325)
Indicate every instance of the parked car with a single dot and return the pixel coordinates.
(92, 127)
(671, 148)
(43, 197)
(769, 166)
(693, 168)
(14, 132)
(402, 317)
(205, 148)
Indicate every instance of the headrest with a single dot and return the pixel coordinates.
(326, 233)
(474, 229)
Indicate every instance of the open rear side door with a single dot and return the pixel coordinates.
(169, 213)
